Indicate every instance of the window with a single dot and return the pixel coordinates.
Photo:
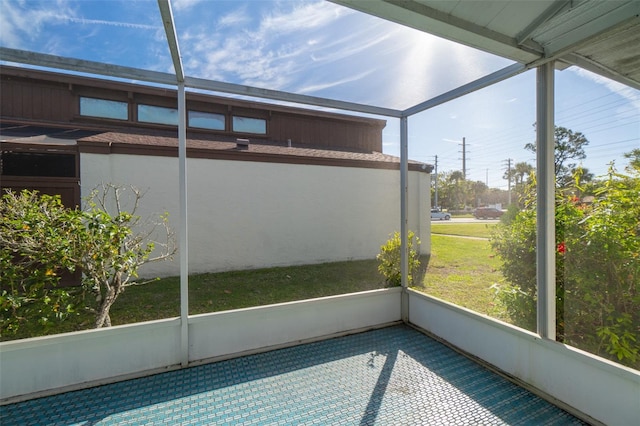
(37, 164)
(249, 125)
(103, 108)
(206, 120)
(156, 114)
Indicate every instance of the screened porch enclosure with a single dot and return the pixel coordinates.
(587, 386)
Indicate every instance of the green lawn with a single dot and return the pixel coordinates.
(482, 230)
(461, 271)
(241, 289)
(226, 290)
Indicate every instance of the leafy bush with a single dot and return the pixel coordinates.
(40, 237)
(390, 259)
(602, 271)
(515, 243)
(510, 215)
(597, 269)
(35, 249)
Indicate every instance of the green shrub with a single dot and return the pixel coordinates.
(39, 238)
(597, 269)
(34, 250)
(390, 260)
(515, 243)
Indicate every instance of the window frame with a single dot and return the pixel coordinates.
(106, 100)
(158, 108)
(195, 111)
(247, 117)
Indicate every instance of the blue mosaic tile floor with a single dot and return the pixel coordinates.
(391, 376)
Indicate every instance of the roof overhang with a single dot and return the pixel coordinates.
(600, 36)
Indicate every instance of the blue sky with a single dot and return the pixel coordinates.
(322, 49)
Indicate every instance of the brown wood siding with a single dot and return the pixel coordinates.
(68, 189)
(319, 132)
(29, 95)
(32, 100)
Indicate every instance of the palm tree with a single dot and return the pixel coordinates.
(521, 171)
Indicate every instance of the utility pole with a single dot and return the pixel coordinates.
(436, 184)
(509, 160)
(464, 158)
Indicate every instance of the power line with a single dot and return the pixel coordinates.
(589, 114)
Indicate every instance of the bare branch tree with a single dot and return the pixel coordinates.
(118, 243)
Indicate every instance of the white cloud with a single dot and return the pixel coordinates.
(303, 17)
(22, 22)
(330, 84)
(629, 93)
(236, 17)
(66, 28)
(270, 51)
(324, 48)
(84, 21)
(181, 5)
(341, 48)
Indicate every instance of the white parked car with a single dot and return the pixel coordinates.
(437, 214)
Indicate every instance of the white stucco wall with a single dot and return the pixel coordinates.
(251, 214)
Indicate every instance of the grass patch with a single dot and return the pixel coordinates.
(481, 230)
(241, 289)
(225, 291)
(461, 271)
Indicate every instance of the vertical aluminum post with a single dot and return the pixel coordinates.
(404, 246)
(545, 255)
(184, 236)
(172, 39)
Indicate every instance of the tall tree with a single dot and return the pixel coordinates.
(456, 179)
(569, 146)
(444, 190)
(634, 159)
(478, 192)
